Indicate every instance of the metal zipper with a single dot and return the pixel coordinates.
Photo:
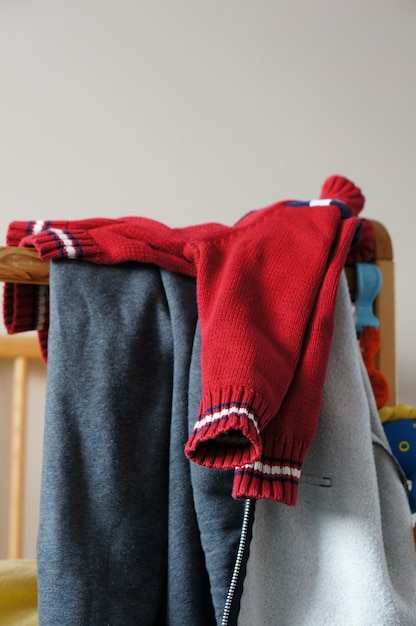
(238, 562)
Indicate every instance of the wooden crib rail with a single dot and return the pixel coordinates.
(22, 265)
(385, 360)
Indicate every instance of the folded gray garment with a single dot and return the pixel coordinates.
(127, 535)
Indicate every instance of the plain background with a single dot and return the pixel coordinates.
(192, 111)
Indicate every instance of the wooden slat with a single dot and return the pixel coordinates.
(384, 247)
(22, 265)
(13, 346)
(385, 360)
(19, 349)
(384, 309)
(18, 448)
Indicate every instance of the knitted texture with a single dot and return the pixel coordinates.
(369, 342)
(340, 188)
(266, 296)
(365, 249)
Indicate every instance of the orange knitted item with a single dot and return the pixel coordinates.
(370, 345)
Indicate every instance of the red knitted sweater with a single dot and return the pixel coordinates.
(266, 296)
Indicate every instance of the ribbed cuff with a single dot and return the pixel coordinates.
(228, 430)
(16, 231)
(56, 243)
(57, 239)
(26, 307)
(275, 476)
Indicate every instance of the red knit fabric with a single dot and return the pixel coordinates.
(291, 432)
(266, 296)
(340, 188)
(365, 249)
(369, 346)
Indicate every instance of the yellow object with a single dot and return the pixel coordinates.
(399, 412)
(18, 593)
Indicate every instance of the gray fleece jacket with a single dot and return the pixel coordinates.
(344, 556)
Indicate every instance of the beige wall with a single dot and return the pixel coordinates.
(191, 111)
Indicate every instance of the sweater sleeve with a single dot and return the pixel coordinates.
(257, 288)
(96, 240)
(289, 435)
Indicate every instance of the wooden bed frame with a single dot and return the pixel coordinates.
(22, 265)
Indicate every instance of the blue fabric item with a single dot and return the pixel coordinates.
(106, 436)
(129, 534)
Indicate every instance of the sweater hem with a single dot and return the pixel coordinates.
(227, 433)
(275, 476)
